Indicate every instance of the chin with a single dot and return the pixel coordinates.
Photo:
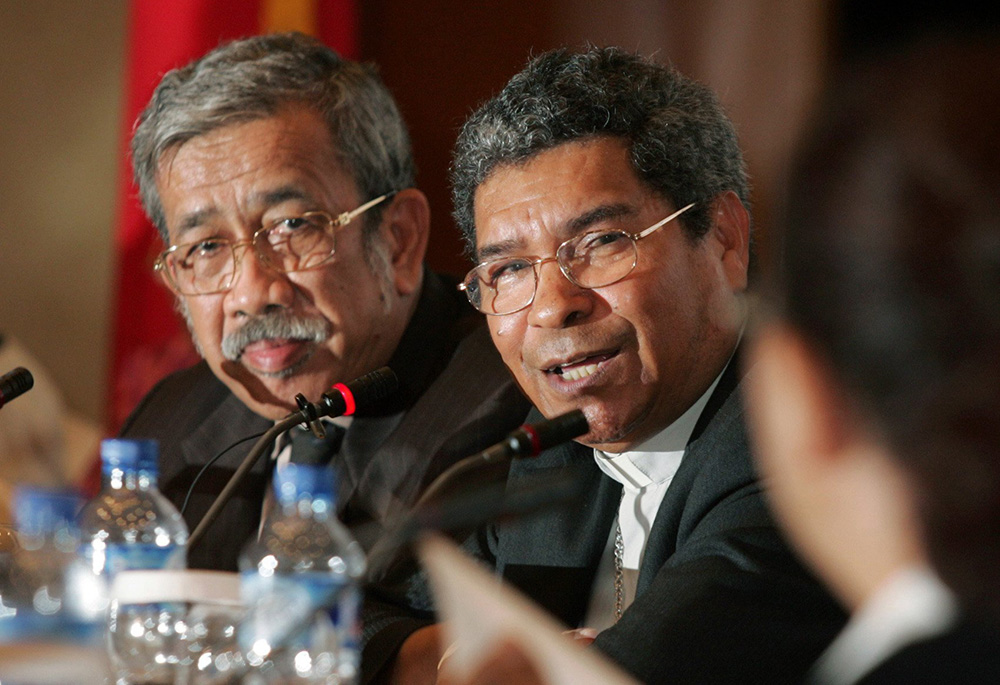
(270, 397)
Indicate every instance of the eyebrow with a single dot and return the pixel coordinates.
(279, 195)
(264, 199)
(573, 226)
(195, 219)
(599, 214)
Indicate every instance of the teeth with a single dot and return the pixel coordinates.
(579, 372)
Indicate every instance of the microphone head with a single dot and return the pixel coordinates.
(14, 384)
(564, 427)
(374, 387)
(362, 392)
(545, 434)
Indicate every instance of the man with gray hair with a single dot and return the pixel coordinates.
(280, 177)
(605, 202)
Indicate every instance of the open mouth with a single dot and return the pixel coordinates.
(580, 368)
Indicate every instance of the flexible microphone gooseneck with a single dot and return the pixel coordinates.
(526, 441)
(342, 400)
(14, 384)
(472, 508)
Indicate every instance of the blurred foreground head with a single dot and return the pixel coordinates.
(890, 278)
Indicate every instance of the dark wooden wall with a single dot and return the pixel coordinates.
(440, 59)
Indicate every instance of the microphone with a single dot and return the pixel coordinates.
(474, 507)
(361, 393)
(529, 440)
(14, 384)
(343, 399)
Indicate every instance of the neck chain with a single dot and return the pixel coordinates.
(619, 563)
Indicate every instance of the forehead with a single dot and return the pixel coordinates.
(246, 166)
(547, 196)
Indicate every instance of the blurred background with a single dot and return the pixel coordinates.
(76, 290)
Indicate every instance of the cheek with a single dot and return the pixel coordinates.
(508, 336)
(204, 318)
(322, 292)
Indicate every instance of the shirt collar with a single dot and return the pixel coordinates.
(912, 605)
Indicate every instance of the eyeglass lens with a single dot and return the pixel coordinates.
(590, 260)
(290, 245)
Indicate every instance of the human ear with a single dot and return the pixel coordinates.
(405, 230)
(731, 231)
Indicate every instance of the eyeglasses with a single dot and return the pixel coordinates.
(294, 243)
(589, 260)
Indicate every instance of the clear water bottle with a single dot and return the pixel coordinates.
(300, 583)
(39, 577)
(131, 525)
(44, 594)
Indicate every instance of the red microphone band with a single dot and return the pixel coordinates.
(536, 442)
(348, 396)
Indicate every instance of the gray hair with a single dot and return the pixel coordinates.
(255, 78)
(681, 143)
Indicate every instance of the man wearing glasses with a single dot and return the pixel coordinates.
(605, 200)
(280, 177)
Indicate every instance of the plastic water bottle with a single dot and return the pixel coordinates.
(300, 583)
(131, 525)
(45, 592)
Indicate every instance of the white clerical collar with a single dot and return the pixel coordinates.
(657, 459)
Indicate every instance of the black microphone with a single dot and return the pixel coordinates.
(361, 393)
(526, 441)
(343, 399)
(482, 503)
(530, 439)
(14, 384)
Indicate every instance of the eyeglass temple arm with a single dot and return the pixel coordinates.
(348, 217)
(670, 218)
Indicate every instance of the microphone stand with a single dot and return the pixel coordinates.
(343, 399)
(262, 445)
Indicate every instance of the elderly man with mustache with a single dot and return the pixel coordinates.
(280, 177)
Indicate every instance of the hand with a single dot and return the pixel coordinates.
(507, 664)
(582, 635)
(416, 663)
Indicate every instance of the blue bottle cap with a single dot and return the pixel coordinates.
(294, 481)
(44, 510)
(129, 455)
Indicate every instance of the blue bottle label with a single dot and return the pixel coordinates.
(143, 556)
(284, 610)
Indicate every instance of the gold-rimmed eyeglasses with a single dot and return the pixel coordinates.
(590, 260)
(293, 243)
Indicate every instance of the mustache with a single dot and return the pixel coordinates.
(278, 324)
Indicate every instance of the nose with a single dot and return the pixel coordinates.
(558, 301)
(257, 287)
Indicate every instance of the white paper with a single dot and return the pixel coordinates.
(479, 611)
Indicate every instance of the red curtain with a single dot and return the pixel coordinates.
(149, 339)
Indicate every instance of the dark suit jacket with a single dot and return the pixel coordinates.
(968, 654)
(455, 398)
(720, 599)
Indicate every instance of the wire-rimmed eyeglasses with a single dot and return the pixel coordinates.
(294, 243)
(589, 260)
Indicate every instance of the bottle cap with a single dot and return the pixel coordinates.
(130, 455)
(293, 481)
